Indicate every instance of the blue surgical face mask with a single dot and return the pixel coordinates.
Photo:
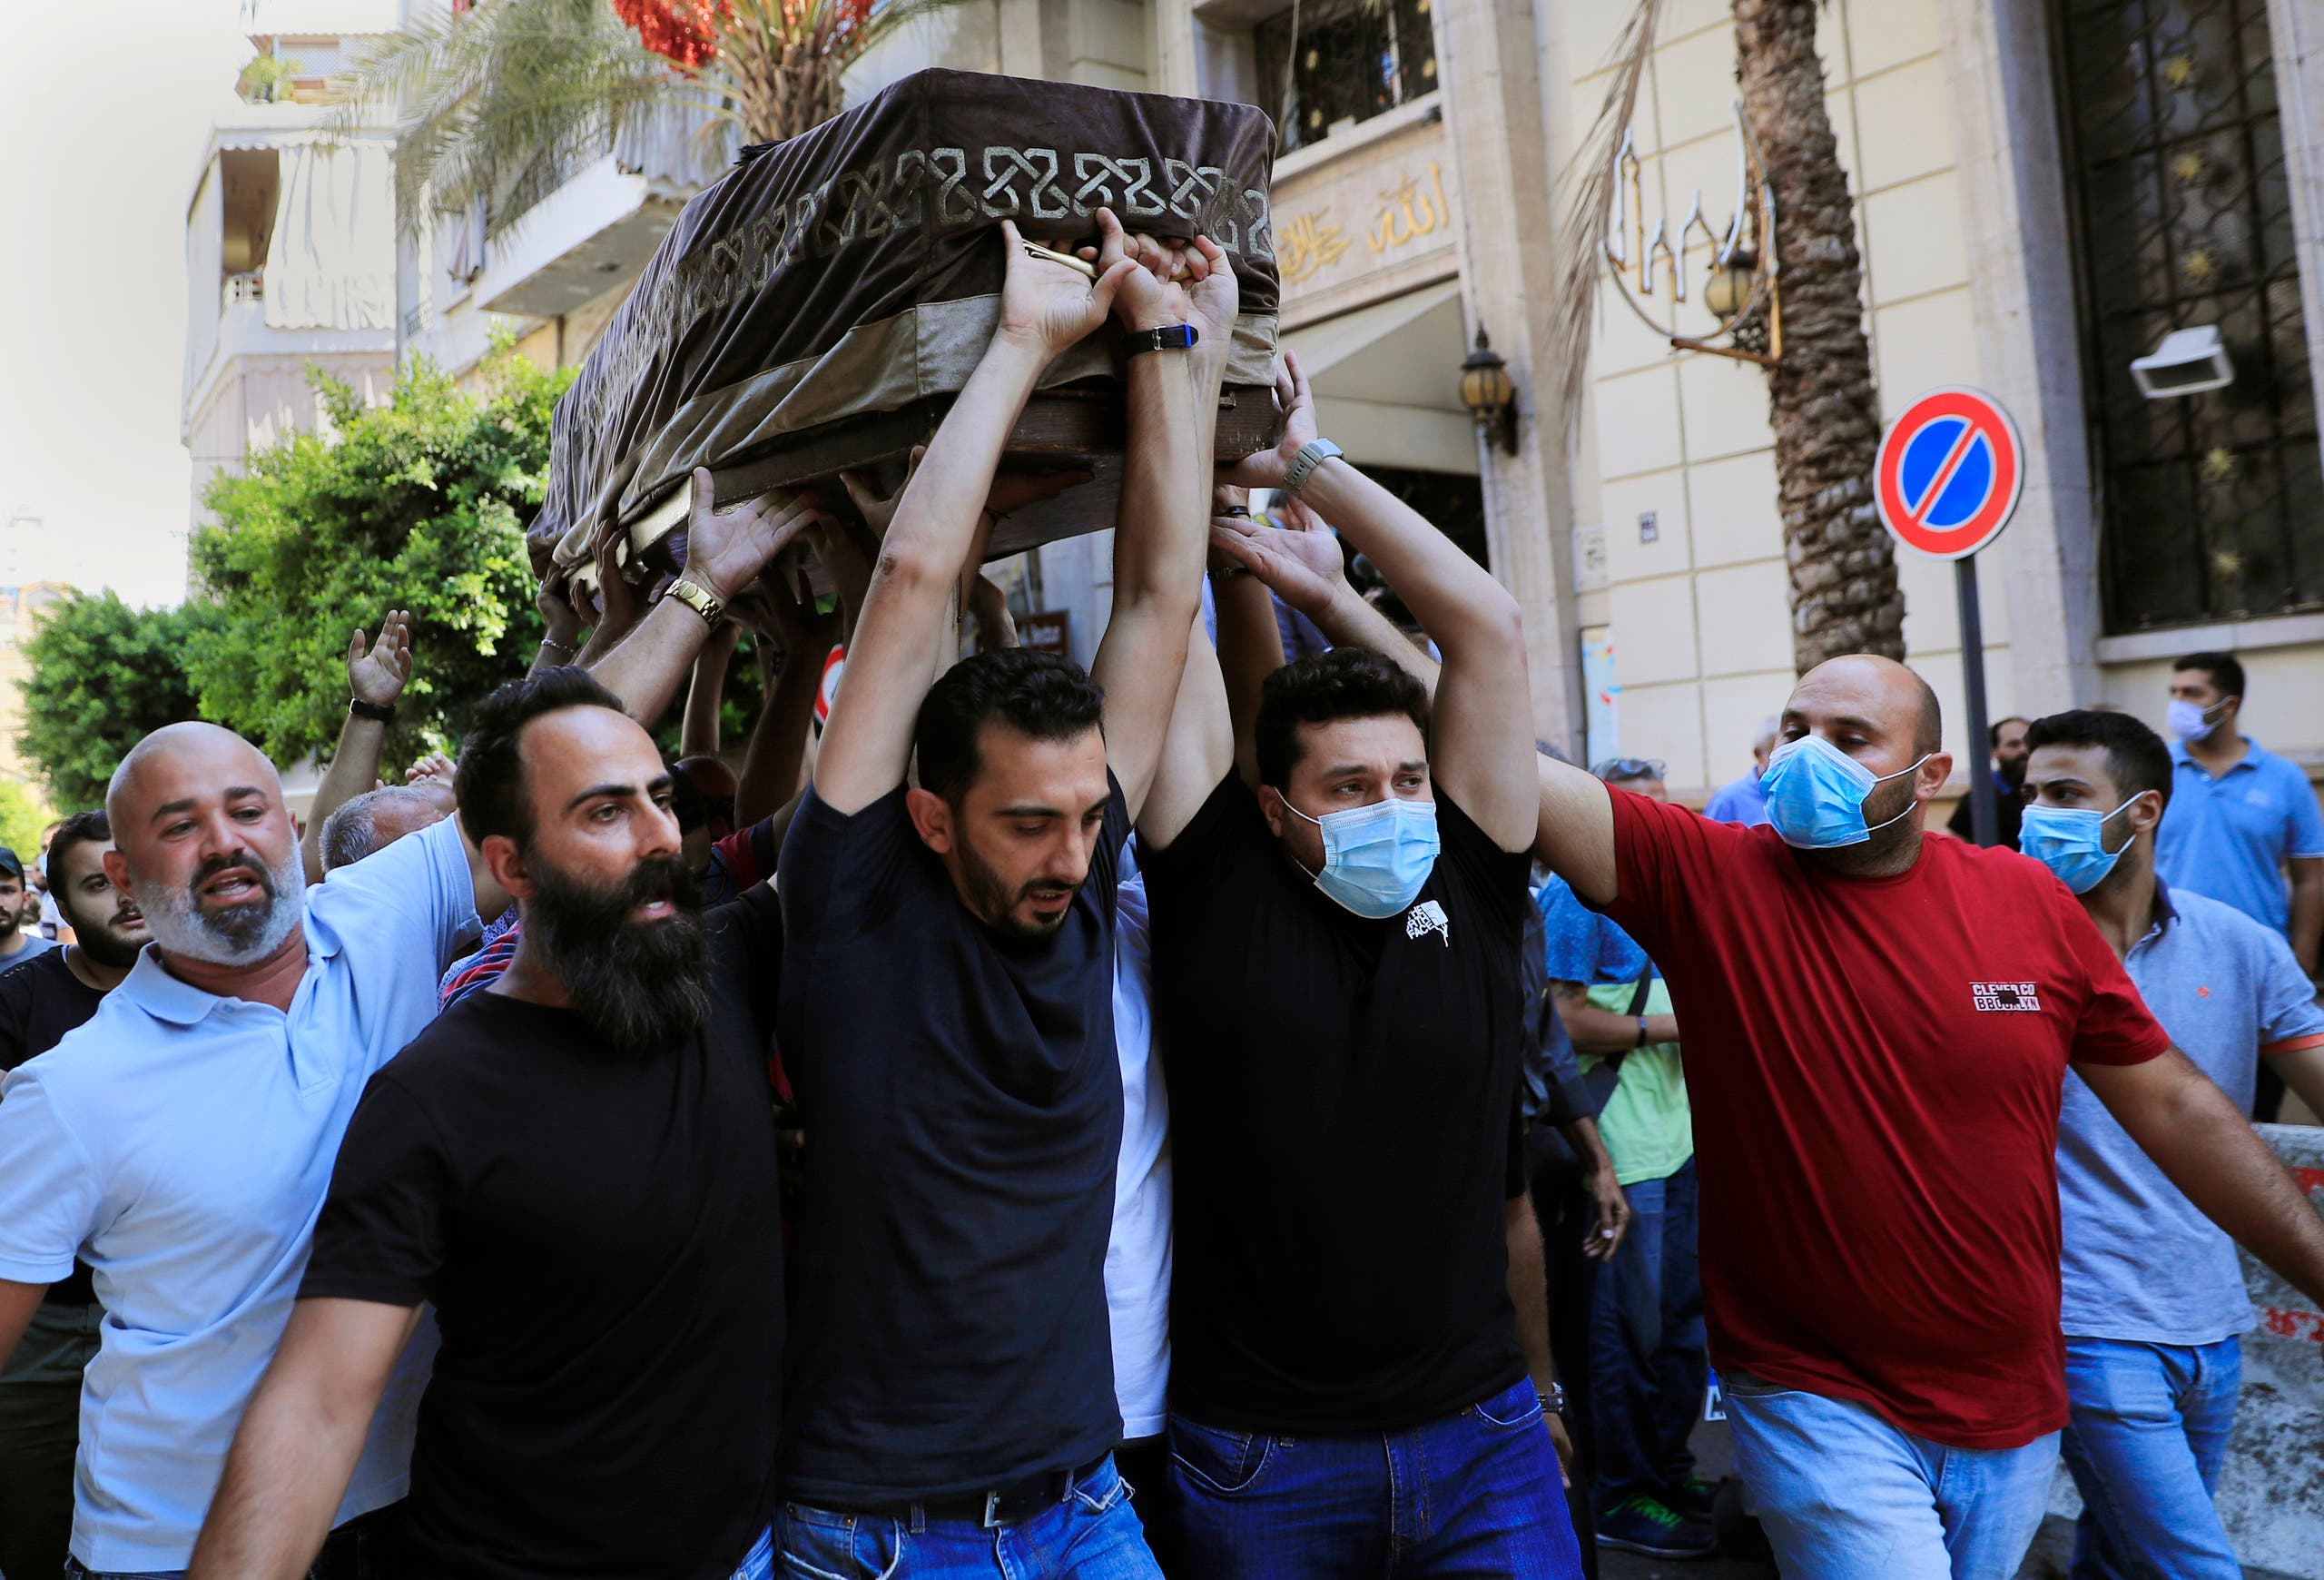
(2069, 842)
(1816, 794)
(2191, 721)
(1376, 858)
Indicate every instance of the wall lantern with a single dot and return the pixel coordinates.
(1489, 393)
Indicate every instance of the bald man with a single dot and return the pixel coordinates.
(1880, 1241)
(182, 1140)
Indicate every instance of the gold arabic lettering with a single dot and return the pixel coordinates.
(1410, 212)
(1306, 243)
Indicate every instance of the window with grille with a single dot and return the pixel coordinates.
(2211, 505)
(1324, 68)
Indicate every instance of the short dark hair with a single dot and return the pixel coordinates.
(489, 783)
(1043, 695)
(1993, 730)
(2136, 758)
(2223, 670)
(80, 828)
(1323, 688)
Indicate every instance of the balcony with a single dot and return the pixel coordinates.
(597, 231)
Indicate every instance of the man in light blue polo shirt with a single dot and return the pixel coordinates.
(2153, 1298)
(2239, 814)
(182, 1141)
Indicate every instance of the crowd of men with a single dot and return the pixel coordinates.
(1176, 1118)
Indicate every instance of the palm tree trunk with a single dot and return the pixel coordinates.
(1820, 399)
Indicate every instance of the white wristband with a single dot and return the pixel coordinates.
(1311, 454)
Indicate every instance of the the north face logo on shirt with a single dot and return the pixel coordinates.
(2005, 996)
(1428, 917)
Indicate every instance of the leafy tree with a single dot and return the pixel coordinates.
(418, 504)
(22, 817)
(102, 675)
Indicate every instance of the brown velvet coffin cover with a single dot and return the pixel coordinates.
(856, 270)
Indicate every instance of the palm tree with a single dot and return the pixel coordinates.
(1821, 402)
(499, 105)
(1820, 398)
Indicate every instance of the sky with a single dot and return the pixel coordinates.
(99, 130)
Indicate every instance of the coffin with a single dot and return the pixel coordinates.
(818, 307)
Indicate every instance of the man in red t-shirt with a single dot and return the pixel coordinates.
(1877, 1069)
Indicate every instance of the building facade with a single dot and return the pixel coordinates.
(2044, 188)
(289, 250)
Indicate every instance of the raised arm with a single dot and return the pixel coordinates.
(1158, 537)
(374, 678)
(1481, 731)
(770, 775)
(2210, 1150)
(1573, 820)
(299, 1440)
(725, 551)
(891, 661)
(698, 735)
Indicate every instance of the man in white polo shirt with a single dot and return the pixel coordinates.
(182, 1140)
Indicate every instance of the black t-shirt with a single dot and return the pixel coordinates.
(2009, 815)
(601, 1240)
(1342, 1099)
(40, 1001)
(963, 1108)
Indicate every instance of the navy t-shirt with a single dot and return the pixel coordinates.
(963, 1107)
(1345, 1109)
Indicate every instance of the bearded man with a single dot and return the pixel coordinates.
(179, 1143)
(578, 1166)
(40, 999)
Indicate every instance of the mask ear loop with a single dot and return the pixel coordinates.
(1907, 812)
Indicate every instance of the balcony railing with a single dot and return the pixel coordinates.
(250, 285)
(680, 146)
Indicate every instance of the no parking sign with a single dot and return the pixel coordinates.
(1946, 481)
(1950, 469)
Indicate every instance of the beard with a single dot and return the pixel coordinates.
(991, 897)
(239, 934)
(11, 919)
(113, 942)
(642, 986)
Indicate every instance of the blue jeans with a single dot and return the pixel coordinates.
(1474, 1495)
(2149, 1429)
(1844, 1495)
(1092, 1534)
(1648, 1368)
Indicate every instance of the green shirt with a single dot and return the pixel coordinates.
(1648, 1127)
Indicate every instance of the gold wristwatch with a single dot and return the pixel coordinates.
(701, 600)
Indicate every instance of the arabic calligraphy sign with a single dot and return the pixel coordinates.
(1376, 221)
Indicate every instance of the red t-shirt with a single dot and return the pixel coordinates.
(1875, 1067)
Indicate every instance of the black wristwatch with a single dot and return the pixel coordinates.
(1174, 337)
(372, 710)
(1553, 1399)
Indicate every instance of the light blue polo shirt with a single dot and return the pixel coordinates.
(2142, 1262)
(181, 1143)
(2229, 837)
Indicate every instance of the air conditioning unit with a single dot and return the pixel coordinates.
(2188, 362)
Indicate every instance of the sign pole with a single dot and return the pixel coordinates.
(1946, 481)
(1983, 816)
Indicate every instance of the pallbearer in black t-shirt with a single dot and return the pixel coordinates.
(946, 999)
(1337, 1001)
(577, 1170)
(42, 997)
